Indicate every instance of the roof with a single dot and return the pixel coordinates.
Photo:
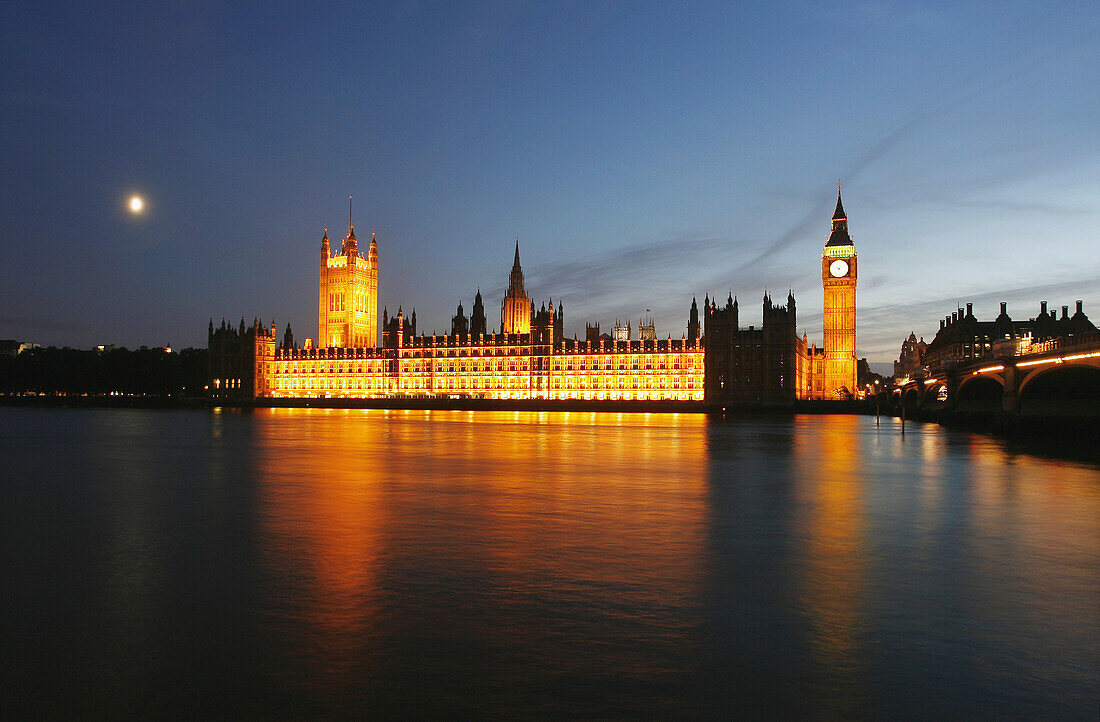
(838, 214)
(839, 237)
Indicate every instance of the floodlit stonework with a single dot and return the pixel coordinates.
(716, 361)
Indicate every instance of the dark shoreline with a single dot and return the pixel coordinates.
(465, 404)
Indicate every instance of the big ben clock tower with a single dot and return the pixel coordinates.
(838, 276)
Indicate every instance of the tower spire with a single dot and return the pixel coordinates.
(839, 235)
(515, 316)
(838, 214)
(351, 226)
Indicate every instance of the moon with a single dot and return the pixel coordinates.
(137, 204)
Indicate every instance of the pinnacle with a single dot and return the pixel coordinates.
(839, 214)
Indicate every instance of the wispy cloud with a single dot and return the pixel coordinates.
(943, 104)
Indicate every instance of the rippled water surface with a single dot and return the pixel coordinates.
(313, 563)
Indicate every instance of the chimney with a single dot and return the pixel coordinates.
(1065, 312)
(1043, 306)
(954, 316)
(969, 309)
(941, 324)
(1079, 309)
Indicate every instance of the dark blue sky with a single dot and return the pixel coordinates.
(642, 153)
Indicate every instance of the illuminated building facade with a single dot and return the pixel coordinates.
(347, 305)
(516, 308)
(536, 363)
(495, 366)
(838, 277)
(716, 361)
(962, 337)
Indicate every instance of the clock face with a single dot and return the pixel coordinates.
(838, 268)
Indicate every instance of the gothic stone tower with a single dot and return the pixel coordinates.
(838, 276)
(515, 310)
(347, 308)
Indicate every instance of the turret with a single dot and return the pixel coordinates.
(351, 246)
(325, 251)
(459, 324)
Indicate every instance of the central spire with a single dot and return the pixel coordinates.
(516, 309)
(515, 280)
(839, 235)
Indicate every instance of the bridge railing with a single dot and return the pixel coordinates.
(1057, 344)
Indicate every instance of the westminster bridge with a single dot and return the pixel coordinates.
(1056, 378)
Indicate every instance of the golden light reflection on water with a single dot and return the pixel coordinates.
(831, 508)
(606, 565)
(321, 524)
(534, 512)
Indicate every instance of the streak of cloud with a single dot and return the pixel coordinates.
(939, 106)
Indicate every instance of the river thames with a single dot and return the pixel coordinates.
(327, 562)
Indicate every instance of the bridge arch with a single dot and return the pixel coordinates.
(1062, 390)
(980, 394)
(910, 398)
(935, 395)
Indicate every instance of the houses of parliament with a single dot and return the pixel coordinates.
(715, 361)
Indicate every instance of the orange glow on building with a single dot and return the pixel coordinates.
(530, 358)
(496, 366)
(838, 277)
(347, 304)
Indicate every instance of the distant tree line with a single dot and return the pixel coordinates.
(118, 371)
